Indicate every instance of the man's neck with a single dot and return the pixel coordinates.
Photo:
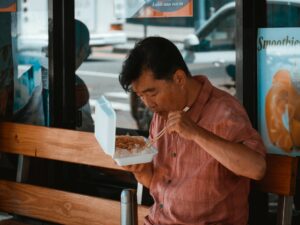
(193, 89)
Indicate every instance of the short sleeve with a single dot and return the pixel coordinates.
(235, 126)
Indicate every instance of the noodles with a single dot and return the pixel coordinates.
(130, 142)
(131, 150)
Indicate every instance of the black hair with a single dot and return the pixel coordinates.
(157, 54)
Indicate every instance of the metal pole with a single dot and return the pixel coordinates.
(285, 210)
(128, 207)
(62, 64)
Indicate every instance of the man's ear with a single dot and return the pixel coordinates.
(180, 77)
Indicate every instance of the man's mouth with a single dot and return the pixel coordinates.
(152, 109)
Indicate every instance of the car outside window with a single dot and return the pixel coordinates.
(222, 36)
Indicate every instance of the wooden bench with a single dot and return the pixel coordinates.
(280, 179)
(82, 148)
(49, 204)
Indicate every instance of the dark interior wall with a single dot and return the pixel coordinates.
(7, 162)
(6, 68)
(250, 15)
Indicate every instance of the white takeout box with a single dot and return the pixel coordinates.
(105, 132)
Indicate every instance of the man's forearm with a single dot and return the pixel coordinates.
(236, 157)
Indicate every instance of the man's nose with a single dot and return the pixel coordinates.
(148, 102)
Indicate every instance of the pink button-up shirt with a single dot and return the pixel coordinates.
(188, 185)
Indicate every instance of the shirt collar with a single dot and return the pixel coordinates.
(204, 94)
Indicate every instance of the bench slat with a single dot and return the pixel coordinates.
(52, 143)
(11, 222)
(60, 206)
(280, 175)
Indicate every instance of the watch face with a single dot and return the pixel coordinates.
(167, 5)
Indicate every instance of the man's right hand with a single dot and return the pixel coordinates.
(142, 172)
(136, 168)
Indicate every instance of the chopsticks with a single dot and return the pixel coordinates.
(163, 131)
(158, 136)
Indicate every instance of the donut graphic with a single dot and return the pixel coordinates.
(282, 112)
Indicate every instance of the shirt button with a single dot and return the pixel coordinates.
(174, 154)
(161, 205)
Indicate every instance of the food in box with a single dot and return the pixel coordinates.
(131, 150)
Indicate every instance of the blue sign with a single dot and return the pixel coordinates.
(278, 55)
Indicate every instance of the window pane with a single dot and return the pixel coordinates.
(205, 40)
(284, 15)
(223, 36)
(278, 76)
(30, 33)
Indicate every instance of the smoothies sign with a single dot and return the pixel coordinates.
(278, 51)
(8, 5)
(159, 8)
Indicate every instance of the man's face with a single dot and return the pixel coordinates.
(159, 96)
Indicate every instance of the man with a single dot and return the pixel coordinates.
(210, 152)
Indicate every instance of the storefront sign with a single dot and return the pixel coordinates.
(8, 6)
(278, 51)
(159, 8)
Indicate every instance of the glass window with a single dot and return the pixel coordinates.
(278, 82)
(112, 37)
(284, 15)
(30, 39)
(222, 36)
